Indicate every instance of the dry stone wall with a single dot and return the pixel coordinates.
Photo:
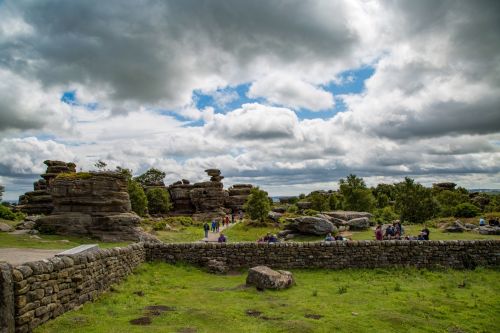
(32, 293)
(46, 289)
(333, 255)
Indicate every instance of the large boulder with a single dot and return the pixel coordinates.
(489, 230)
(311, 225)
(360, 223)
(456, 226)
(263, 277)
(4, 227)
(274, 216)
(347, 215)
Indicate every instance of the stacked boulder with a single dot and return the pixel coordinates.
(94, 204)
(181, 199)
(39, 201)
(209, 196)
(348, 219)
(237, 196)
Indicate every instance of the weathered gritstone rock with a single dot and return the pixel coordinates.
(360, 223)
(347, 215)
(263, 277)
(311, 225)
(95, 205)
(456, 226)
(39, 201)
(237, 196)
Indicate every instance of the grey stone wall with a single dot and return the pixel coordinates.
(334, 255)
(48, 288)
(32, 293)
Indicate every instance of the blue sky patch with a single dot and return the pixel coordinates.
(69, 97)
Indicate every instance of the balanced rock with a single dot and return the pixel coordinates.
(360, 223)
(311, 225)
(263, 277)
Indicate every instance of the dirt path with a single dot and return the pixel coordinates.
(214, 236)
(15, 256)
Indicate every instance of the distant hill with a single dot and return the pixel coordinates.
(485, 190)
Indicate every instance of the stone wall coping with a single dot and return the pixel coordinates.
(79, 249)
(324, 244)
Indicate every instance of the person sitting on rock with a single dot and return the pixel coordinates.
(273, 239)
(329, 238)
(482, 223)
(339, 237)
(222, 238)
(425, 233)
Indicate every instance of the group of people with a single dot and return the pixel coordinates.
(492, 222)
(396, 231)
(216, 224)
(268, 238)
(330, 238)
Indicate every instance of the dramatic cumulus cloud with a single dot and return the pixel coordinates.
(142, 71)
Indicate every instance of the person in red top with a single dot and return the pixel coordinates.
(227, 220)
(379, 235)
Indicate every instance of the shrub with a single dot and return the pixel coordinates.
(385, 215)
(292, 209)
(414, 202)
(138, 198)
(180, 220)
(356, 196)
(310, 212)
(158, 201)
(466, 210)
(6, 213)
(159, 225)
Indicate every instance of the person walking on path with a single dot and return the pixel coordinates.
(217, 226)
(206, 228)
(213, 225)
(379, 235)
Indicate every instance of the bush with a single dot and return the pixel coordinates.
(7, 214)
(310, 212)
(138, 198)
(159, 225)
(180, 220)
(158, 201)
(466, 210)
(292, 209)
(385, 215)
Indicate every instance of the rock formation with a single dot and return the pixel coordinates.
(94, 204)
(310, 225)
(39, 201)
(237, 197)
(206, 199)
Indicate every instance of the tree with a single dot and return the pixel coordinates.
(257, 205)
(414, 202)
(2, 189)
(356, 196)
(384, 194)
(448, 200)
(151, 177)
(100, 165)
(466, 210)
(138, 199)
(158, 200)
(319, 201)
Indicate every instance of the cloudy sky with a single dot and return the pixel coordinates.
(289, 95)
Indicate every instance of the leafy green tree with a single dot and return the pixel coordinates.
(466, 210)
(384, 194)
(257, 205)
(158, 200)
(100, 165)
(335, 201)
(151, 177)
(319, 201)
(385, 215)
(2, 189)
(448, 200)
(138, 198)
(414, 202)
(356, 196)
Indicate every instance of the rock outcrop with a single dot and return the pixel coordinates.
(310, 225)
(237, 196)
(207, 199)
(94, 204)
(263, 277)
(456, 226)
(39, 201)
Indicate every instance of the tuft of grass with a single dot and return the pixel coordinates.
(74, 175)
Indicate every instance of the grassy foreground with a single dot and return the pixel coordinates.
(49, 241)
(190, 300)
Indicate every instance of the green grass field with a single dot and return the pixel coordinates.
(378, 300)
(49, 241)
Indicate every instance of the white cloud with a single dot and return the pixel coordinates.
(286, 90)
